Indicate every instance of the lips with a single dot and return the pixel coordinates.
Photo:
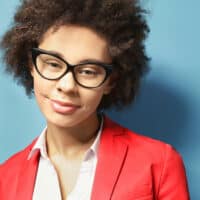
(64, 107)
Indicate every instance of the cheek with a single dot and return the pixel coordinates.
(41, 86)
(41, 90)
(92, 99)
(38, 91)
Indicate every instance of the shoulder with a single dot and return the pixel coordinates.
(11, 169)
(150, 148)
(16, 160)
(145, 147)
(148, 161)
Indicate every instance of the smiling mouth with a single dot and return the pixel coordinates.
(63, 107)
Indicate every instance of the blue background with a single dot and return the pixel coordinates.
(168, 105)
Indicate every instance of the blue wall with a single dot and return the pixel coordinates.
(168, 106)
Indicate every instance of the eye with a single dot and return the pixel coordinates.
(52, 63)
(49, 61)
(87, 71)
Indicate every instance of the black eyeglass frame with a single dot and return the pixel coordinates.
(69, 67)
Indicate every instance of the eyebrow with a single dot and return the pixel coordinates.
(86, 60)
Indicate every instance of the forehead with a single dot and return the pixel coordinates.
(75, 42)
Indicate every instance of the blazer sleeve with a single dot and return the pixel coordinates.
(173, 182)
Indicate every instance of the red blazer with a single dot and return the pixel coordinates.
(130, 167)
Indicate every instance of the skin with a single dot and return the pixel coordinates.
(70, 129)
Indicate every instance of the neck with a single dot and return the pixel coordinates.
(71, 142)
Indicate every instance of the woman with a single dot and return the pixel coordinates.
(79, 58)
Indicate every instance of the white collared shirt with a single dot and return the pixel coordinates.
(47, 183)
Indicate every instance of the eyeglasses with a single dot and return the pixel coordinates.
(51, 66)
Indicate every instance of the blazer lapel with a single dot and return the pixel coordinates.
(26, 178)
(111, 156)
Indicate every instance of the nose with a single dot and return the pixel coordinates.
(67, 83)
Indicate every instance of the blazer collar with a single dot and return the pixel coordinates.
(27, 176)
(111, 156)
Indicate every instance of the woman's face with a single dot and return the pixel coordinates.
(63, 102)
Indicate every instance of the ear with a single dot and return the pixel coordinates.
(107, 89)
(30, 65)
(32, 70)
(111, 83)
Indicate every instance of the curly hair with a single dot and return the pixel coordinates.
(120, 22)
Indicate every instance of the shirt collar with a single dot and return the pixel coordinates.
(41, 144)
